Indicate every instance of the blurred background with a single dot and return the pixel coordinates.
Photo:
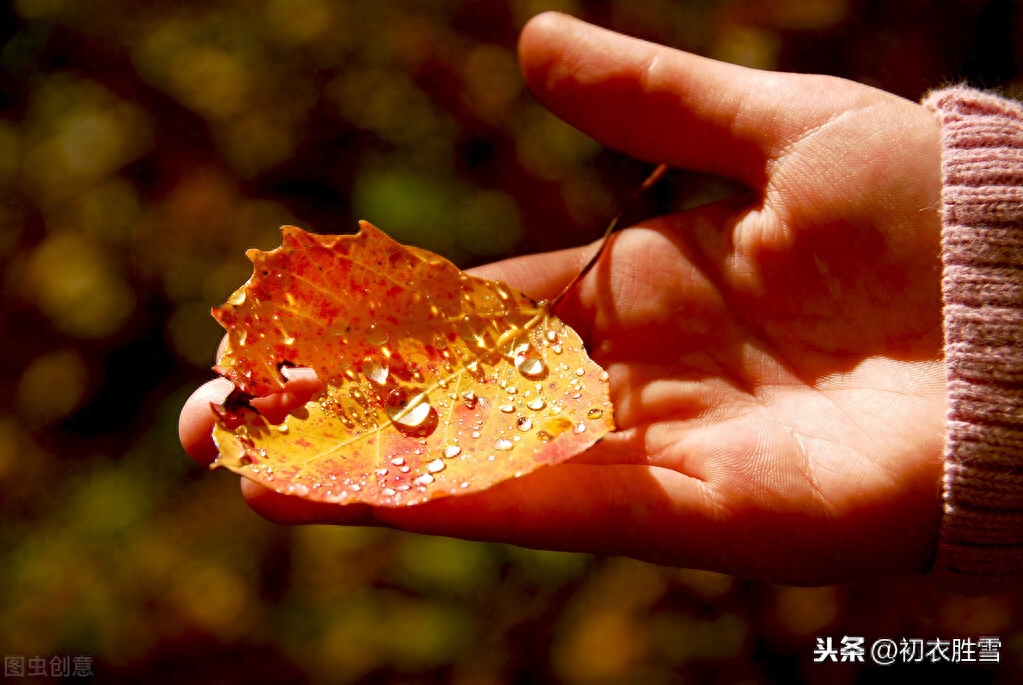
(145, 145)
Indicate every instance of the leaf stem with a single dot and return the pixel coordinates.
(653, 178)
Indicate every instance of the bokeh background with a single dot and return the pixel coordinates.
(145, 145)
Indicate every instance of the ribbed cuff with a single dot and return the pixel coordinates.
(981, 543)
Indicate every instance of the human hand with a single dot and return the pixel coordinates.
(775, 359)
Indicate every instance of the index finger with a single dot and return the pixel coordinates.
(665, 105)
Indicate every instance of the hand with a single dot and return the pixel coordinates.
(775, 359)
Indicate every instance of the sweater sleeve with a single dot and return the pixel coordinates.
(981, 541)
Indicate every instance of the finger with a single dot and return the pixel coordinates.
(287, 510)
(195, 424)
(621, 509)
(540, 276)
(660, 104)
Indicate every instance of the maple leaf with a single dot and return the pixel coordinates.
(435, 382)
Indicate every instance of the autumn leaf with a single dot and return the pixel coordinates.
(435, 382)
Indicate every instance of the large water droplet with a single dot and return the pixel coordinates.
(415, 416)
(579, 428)
(537, 404)
(594, 413)
(435, 466)
(530, 364)
(375, 370)
(470, 399)
(507, 408)
(412, 414)
(504, 445)
(524, 423)
(452, 451)
(424, 479)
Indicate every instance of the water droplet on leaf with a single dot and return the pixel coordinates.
(377, 335)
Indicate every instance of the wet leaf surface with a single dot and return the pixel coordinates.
(435, 382)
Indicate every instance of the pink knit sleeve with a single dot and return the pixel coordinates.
(981, 543)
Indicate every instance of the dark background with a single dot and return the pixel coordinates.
(145, 145)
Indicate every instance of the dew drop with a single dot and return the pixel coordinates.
(381, 472)
(552, 336)
(504, 445)
(424, 479)
(452, 451)
(537, 404)
(376, 335)
(464, 484)
(556, 348)
(388, 492)
(355, 487)
(470, 399)
(594, 413)
(398, 461)
(530, 364)
(374, 370)
(602, 376)
(435, 466)
(579, 428)
(543, 435)
(511, 390)
(475, 434)
(283, 429)
(524, 423)
(237, 297)
(404, 469)
(507, 408)
(413, 414)
(579, 372)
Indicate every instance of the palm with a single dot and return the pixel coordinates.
(774, 359)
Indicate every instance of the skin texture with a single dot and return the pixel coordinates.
(775, 359)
